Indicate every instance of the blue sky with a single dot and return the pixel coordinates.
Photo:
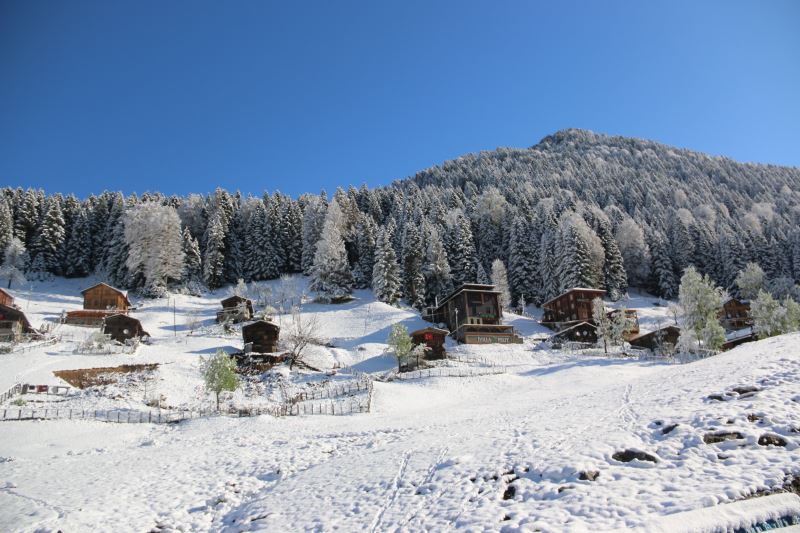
(297, 96)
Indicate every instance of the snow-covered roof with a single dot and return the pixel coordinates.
(551, 300)
(431, 328)
(123, 293)
(574, 326)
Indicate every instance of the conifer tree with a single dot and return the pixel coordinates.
(331, 278)
(78, 247)
(313, 221)
(523, 275)
(214, 258)
(500, 281)
(6, 224)
(438, 279)
(386, 281)
(50, 240)
(192, 264)
(365, 243)
(413, 278)
(615, 278)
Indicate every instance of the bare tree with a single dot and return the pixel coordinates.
(304, 331)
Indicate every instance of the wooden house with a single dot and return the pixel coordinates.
(6, 298)
(582, 332)
(571, 307)
(433, 339)
(735, 314)
(261, 336)
(99, 302)
(123, 327)
(235, 309)
(106, 298)
(473, 315)
(13, 324)
(660, 342)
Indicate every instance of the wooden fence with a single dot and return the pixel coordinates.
(13, 391)
(449, 372)
(333, 391)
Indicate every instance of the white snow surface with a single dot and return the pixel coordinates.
(492, 453)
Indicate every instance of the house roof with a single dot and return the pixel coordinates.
(14, 312)
(121, 292)
(551, 300)
(234, 298)
(649, 333)
(737, 300)
(575, 326)
(251, 325)
(432, 329)
(4, 291)
(469, 287)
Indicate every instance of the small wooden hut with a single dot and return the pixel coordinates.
(123, 327)
(6, 298)
(13, 324)
(582, 332)
(433, 338)
(660, 342)
(261, 336)
(235, 309)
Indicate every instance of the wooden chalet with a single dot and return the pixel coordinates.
(105, 297)
(13, 324)
(6, 298)
(661, 341)
(473, 315)
(123, 327)
(582, 332)
(99, 302)
(735, 314)
(433, 338)
(572, 307)
(261, 337)
(235, 309)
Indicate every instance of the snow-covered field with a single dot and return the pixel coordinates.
(502, 452)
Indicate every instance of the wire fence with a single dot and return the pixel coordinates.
(362, 384)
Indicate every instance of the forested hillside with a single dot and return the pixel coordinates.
(577, 209)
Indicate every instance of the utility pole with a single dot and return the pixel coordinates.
(174, 322)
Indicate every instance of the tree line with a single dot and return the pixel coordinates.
(577, 209)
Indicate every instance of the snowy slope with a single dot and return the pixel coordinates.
(433, 455)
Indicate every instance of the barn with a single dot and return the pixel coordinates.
(235, 309)
(261, 336)
(13, 324)
(123, 327)
(661, 341)
(433, 339)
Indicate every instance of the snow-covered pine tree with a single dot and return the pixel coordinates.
(49, 241)
(480, 274)
(461, 253)
(155, 245)
(293, 236)
(365, 242)
(438, 280)
(413, 278)
(331, 278)
(78, 248)
(6, 224)
(192, 265)
(235, 248)
(500, 281)
(523, 274)
(313, 221)
(261, 261)
(386, 279)
(634, 250)
(26, 218)
(664, 278)
(614, 276)
(214, 257)
(574, 269)
(15, 262)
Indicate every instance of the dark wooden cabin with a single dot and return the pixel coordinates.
(123, 327)
(6, 298)
(106, 298)
(735, 314)
(573, 306)
(13, 324)
(433, 339)
(660, 342)
(473, 315)
(261, 336)
(582, 332)
(235, 309)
